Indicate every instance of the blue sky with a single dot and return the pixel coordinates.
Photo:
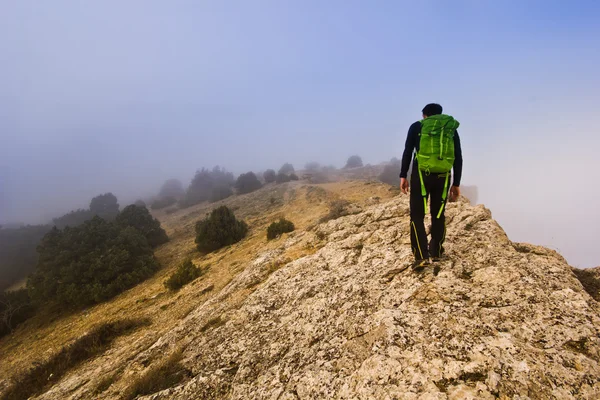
(121, 95)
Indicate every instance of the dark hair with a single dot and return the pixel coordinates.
(432, 109)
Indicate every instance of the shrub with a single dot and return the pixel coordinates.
(220, 229)
(140, 219)
(353, 162)
(391, 174)
(202, 187)
(293, 177)
(105, 206)
(172, 188)
(163, 202)
(277, 228)
(185, 273)
(269, 176)
(90, 263)
(282, 178)
(247, 183)
(286, 169)
(15, 307)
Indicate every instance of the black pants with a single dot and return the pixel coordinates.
(434, 186)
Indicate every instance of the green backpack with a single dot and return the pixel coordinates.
(436, 150)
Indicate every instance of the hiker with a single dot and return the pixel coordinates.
(437, 145)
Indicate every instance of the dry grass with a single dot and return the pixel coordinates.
(150, 298)
(44, 374)
(163, 375)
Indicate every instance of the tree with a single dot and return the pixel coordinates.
(312, 166)
(73, 218)
(219, 192)
(105, 206)
(220, 229)
(354, 162)
(140, 219)
(203, 185)
(269, 176)
(89, 263)
(172, 188)
(391, 173)
(286, 169)
(163, 202)
(282, 178)
(247, 183)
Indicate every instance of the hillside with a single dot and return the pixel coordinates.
(333, 311)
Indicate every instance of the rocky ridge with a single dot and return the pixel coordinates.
(353, 321)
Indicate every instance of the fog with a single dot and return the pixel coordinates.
(119, 96)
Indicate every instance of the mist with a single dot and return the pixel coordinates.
(120, 96)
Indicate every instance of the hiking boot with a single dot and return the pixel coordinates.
(419, 265)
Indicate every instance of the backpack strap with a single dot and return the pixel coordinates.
(423, 191)
(444, 195)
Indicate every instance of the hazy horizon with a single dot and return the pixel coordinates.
(120, 96)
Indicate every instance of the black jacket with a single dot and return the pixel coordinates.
(412, 144)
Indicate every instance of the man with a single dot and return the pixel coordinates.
(440, 153)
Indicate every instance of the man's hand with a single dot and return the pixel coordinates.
(404, 185)
(454, 193)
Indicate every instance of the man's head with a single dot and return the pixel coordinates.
(431, 109)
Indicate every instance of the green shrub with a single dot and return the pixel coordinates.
(140, 219)
(90, 263)
(163, 202)
(354, 162)
(73, 218)
(269, 176)
(277, 228)
(247, 183)
(185, 273)
(220, 229)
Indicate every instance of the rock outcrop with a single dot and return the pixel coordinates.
(353, 321)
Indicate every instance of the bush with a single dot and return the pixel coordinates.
(391, 173)
(282, 178)
(105, 206)
(90, 263)
(220, 229)
(269, 176)
(185, 273)
(15, 307)
(277, 228)
(354, 162)
(171, 188)
(293, 177)
(286, 169)
(140, 219)
(163, 202)
(202, 187)
(247, 183)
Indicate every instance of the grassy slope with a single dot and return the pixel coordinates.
(299, 202)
